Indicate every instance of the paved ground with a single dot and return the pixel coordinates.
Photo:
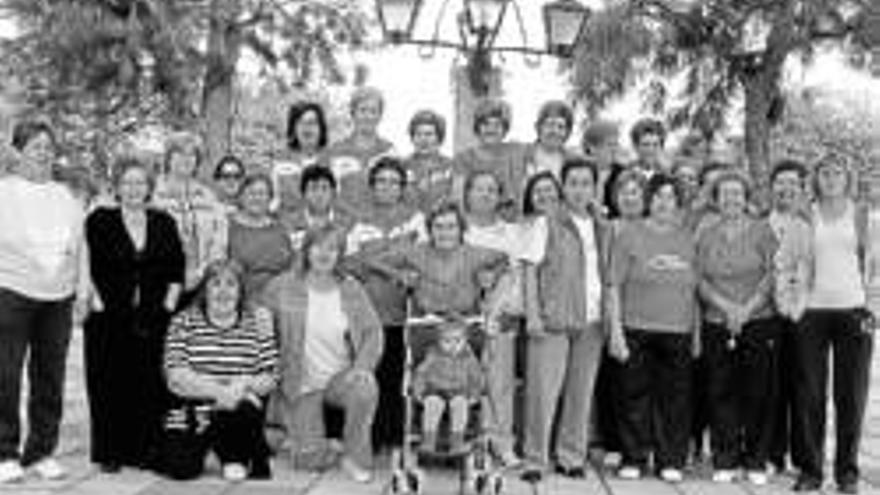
(87, 481)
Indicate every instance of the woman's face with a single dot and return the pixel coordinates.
(492, 131)
(731, 198)
(689, 179)
(223, 291)
(425, 138)
(553, 132)
(229, 179)
(367, 114)
(323, 255)
(579, 188)
(308, 131)
(255, 198)
(183, 163)
(318, 195)
(545, 196)
(484, 194)
(133, 187)
(38, 153)
(446, 231)
(663, 204)
(649, 148)
(387, 187)
(631, 199)
(833, 181)
(787, 188)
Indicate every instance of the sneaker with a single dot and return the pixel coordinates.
(724, 476)
(354, 471)
(629, 473)
(671, 475)
(509, 459)
(49, 469)
(10, 472)
(234, 472)
(758, 478)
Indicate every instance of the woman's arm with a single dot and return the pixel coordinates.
(266, 377)
(365, 317)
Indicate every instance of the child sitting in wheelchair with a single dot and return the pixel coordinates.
(449, 379)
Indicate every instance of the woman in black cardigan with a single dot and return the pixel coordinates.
(137, 267)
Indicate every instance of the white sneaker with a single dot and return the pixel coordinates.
(509, 459)
(49, 469)
(234, 472)
(10, 472)
(671, 475)
(758, 478)
(724, 476)
(629, 473)
(354, 471)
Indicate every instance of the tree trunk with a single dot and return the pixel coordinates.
(760, 88)
(218, 88)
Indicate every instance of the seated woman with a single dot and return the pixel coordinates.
(220, 362)
(330, 339)
(447, 275)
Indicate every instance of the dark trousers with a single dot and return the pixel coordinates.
(842, 333)
(653, 399)
(41, 330)
(235, 436)
(779, 446)
(743, 392)
(389, 420)
(125, 419)
(699, 405)
(606, 435)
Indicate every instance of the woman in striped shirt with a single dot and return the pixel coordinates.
(221, 362)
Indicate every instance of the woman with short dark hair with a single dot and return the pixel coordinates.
(652, 307)
(307, 137)
(137, 267)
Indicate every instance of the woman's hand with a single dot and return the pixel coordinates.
(358, 378)
(228, 397)
(617, 346)
(80, 309)
(535, 325)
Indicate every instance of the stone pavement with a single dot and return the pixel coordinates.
(87, 481)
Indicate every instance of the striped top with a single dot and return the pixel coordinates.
(248, 348)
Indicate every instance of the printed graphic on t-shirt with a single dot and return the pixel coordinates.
(668, 263)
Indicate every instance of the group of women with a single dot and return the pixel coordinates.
(243, 318)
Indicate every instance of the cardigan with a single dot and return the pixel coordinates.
(287, 297)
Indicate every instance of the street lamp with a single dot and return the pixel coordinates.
(479, 23)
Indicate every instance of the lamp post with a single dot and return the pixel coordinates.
(479, 23)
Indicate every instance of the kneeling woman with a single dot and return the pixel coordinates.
(331, 339)
(220, 362)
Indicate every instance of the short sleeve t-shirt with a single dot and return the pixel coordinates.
(735, 267)
(657, 279)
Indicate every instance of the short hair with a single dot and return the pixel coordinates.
(709, 168)
(316, 173)
(214, 270)
(222, 162)
(658, 182)
(442, 209)
(788, 165)
(428, 117)
(574, 163)
(596, 134)
(387, 163)
(623, 178)
(298, 111)
(472, 177)
(123, 165)
(731, 175)
(252, 179)
(531, 183)
(492, 108)
(317, 236)
(647, 126)
(363, 94)
(182, 143)
(556, 108)
(26, 130)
